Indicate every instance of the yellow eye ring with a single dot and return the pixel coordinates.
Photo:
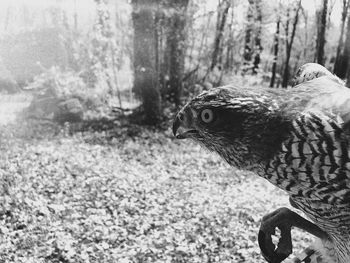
(207, 115)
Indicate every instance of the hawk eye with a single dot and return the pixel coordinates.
(207, 115)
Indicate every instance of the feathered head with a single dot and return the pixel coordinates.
(240, 125)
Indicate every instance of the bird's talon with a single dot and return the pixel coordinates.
(271, 252)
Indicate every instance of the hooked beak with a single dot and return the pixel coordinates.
(180, 127)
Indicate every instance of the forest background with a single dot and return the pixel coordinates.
(90, 171)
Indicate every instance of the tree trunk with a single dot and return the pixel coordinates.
(204, 40)
(306, 34)
(289, 44)
(338, 64)
(176, 47)
(221, 21)
(321, 31)
(257, 43)
(346, 53)
(275, 52)
(146, 85)
(348, 75)
(252, 43)
(248, 47)
(230, 45)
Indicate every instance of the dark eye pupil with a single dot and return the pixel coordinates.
(206, 116)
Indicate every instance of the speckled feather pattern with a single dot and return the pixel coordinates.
(310, 71)
(298, 139)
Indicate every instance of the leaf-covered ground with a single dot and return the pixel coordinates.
(147, 198)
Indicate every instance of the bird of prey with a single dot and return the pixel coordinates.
(296, 138)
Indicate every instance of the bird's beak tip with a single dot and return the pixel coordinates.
(181, 129)
(178, 130)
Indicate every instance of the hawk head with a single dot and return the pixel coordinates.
(243, 126)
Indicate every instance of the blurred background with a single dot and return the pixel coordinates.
(89, 169)
(155, 53)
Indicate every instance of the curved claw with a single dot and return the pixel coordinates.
(284, 219)
(280, 219)
(268, 250)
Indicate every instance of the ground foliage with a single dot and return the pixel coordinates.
(144, 198)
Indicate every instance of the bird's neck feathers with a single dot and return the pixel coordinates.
(231, 152)
(253, 146)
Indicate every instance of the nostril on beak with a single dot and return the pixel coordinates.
(181, 116)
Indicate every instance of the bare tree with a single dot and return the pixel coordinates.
(247, 52)
(339, 62)
(348, 77)
(175, 48)
(289, 41)
(196, 61)
(146, 84)
(275, 51)
(321, 16)
(252, 45)
(346, 53)
(306, 33)
(223, 8)
(230, 44)
(257, 43)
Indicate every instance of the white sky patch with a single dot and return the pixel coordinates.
(86, 9)
(14, 12)
(308, 5)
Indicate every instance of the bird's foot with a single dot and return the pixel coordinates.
(282, 218)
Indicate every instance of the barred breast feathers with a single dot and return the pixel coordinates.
(315, 157)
